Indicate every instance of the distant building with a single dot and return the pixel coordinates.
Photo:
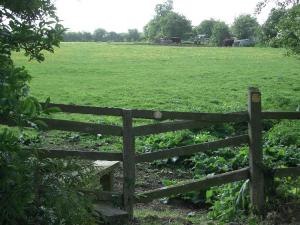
(201, 39)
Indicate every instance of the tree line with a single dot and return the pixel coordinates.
(101, 35)
(281, 29)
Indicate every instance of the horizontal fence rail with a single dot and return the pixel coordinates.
(197, 116)
(192, 149)
(152, 114)
(204, 183)
(168, 127)
(105, 111)
(281, 115)
(287, 172)
(108, 156)
(91, 128)
(74, 126)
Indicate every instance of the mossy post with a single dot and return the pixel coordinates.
(255, 152)
(128, 162)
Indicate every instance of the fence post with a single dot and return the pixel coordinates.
(128, 163)
(255, 152)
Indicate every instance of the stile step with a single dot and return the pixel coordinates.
(111, 215)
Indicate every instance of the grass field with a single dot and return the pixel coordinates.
(165, 78)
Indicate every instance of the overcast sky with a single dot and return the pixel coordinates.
(121, 15)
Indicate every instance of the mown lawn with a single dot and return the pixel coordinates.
(165, 78)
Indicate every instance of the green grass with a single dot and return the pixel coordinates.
(165, 78)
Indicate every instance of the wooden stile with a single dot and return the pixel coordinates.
(182, 120)
(255, 151)
(192, 149)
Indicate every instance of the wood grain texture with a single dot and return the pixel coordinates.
(128, 163)
(255, 151)
(89, 155)
(287, 172)
(192, 149)
(281, 115)
(195, 185)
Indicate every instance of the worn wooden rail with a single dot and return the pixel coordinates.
(192, 149)
(89, 155)
(174, 121)
(195, 185)
(287, 172)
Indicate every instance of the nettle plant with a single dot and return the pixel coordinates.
(33, 190)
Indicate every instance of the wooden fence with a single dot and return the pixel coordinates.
(180, 120)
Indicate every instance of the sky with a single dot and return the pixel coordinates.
(121, 15)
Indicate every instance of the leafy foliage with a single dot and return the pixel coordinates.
(245, 27)
(167, 23)
(270, 29)
(279, 3)
(33, 191)
(289, 27)
(206, 27)
(219, 33)
(41, 191)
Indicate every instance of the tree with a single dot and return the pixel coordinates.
(289, 30)
(270, 29)
(175, 25)
(279, 3)
(206, 27)
(99, 34)
(167, 23)
(219, 33)
(33, 27)
(133, 35)
(245, 27)
(164, 9)
(112, 36)
(30, 26)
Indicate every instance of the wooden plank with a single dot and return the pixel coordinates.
(195, 185)
(152, 114)
(110, 214)
(197, 116)
(89, 155)
(66, 125)
(192, 149)
(281, 115)
(87, 109)
(168, 127)
(106, 167)
(287, 172)
(106, 171)
(255, 152)
(128, 163)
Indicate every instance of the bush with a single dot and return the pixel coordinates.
(284, 133)
(37, 191)
(289, 27)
